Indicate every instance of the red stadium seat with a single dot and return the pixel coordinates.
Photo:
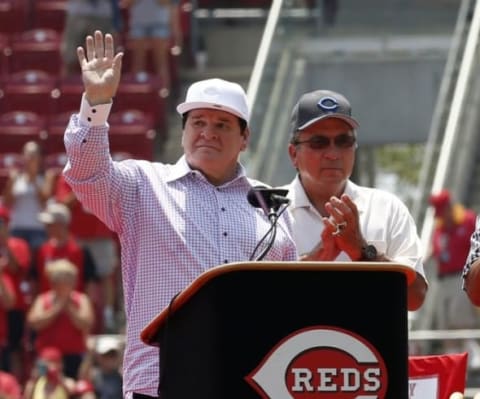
(30, 90)
(70, 93)
(150, 66)
(8, 161)
(49, 14)
(5, 52)
(142, 91)
(36, 49)
(11, 160)
(56, 126)
(132, 134)
(18, 127)
(13, 16)
(132, 131)
(55, 161)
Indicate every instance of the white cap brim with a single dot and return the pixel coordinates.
(189, 106)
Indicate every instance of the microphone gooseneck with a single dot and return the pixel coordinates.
(271, 201)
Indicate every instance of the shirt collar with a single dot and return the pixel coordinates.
(299, 198)
(297, 195)
(182, 169)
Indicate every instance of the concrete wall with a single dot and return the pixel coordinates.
(393, 99)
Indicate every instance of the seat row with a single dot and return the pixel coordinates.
(20, 15)
(40, 48)
(131, 131)
(45, 94)
(132, 134)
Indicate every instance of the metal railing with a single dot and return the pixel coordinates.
(449, 143)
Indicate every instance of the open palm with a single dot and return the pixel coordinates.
(101, 67)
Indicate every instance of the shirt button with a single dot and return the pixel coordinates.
(223, 209)
(225, 261)
(225, 234)
(89, 119)
(94, 110)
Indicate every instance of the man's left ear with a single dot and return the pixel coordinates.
(292, 152)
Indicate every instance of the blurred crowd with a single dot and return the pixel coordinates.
(61, 317)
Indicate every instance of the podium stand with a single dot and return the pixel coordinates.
(284, 330)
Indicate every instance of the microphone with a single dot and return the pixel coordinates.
(267, 198)
(270, 200)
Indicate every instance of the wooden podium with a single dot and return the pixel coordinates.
(286, 330)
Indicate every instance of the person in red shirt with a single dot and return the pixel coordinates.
(15, 258)
(62, 316)
(450, 246)
(7, 301)
(61, 244)
(9, 386)
(102, 244)
(47, 379)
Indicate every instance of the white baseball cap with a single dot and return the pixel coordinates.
(216, 94)
(55, 213)
(107, 344)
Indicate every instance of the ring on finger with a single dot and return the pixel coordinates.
(339, 228)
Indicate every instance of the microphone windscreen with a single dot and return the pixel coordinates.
(255, 196)
(266, 198)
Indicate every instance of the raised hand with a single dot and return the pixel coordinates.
(101, 68)
(345, 219)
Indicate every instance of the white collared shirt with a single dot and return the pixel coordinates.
(385, 222)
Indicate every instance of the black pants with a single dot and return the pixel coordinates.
(142, 396)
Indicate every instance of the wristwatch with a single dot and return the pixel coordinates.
(369, 253)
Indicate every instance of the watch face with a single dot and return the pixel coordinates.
(370, 252)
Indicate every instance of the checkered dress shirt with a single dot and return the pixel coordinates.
(172, 225)
(474, 253)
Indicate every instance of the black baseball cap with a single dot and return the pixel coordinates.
(321, 104)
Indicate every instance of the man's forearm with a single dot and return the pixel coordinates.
(417, 291)
(472, 283)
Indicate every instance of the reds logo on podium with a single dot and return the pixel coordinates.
(321, 362)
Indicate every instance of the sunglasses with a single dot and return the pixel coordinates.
(322, 142)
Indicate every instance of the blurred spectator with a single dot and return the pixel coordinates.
(9, 386)
(15, 259)
(154, 25)
(459, 395)
(84, 17)
(100, 241)
(61, 244)
(85, 390)
(26, 193)
(62, 316)
(450, 245)
(47, 380)
(329, 12)
(7, 301)
(102, 367)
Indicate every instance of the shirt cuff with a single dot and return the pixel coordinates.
(96, 115)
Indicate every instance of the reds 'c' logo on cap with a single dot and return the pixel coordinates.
(328, 103)
(321, 362)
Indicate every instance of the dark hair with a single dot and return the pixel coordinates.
(241, 122)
